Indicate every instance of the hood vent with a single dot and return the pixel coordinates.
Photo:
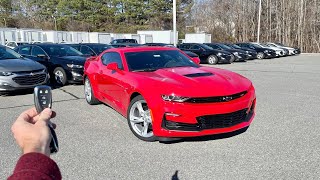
(198, 74)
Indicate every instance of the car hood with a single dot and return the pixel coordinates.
(197, 82)
(80, 60)
(17, 65)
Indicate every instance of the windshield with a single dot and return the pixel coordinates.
(224, 46)
(206, 46)
(235, 46)
(265, 45)
(99, 48)
(61, 50)
(272, 45)
(7, 53)
(154, 60)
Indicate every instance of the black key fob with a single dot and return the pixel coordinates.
(42, 100)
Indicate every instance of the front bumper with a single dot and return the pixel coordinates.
(270, 55)
(252, 55)
(225, 58)
(20, 81)
(241, 57)
(200, 119)
(75, 75)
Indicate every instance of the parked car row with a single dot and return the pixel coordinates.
(41, 63)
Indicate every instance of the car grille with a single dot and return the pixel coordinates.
(212, 121)
(222, 120)
(30, 79)
(216, 98)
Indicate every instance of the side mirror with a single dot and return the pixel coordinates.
(42, 56)
(113, 66)
(196, 60)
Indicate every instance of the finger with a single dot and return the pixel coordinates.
(27, 116)
(44, 117)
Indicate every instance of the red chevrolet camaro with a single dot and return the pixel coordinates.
(164, 94)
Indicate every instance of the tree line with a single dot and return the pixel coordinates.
(292, 22)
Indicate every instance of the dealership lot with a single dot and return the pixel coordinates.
(283, 141)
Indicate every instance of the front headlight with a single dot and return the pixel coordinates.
(219, 54)
(235, 53)
(75, 66)
(6, 73)
(174, 98)
(266, 51)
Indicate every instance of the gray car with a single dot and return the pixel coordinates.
(17, 72)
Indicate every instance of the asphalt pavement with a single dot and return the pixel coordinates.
(283, 141)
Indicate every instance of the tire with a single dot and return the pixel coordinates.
(60, 76)
(232, 59)
(140, 120)
(88, 93)
(212, 59)
(260, 55)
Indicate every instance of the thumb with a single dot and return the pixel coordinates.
(44, 117)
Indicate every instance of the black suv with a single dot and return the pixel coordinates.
(207, 54)
(90, 49)
(239, 54)
(262, 52)
(64, 63)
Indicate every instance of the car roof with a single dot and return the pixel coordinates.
(141, 49)
(45, 44)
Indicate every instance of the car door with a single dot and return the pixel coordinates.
(198, 50)
(111, 84)
(39, 55)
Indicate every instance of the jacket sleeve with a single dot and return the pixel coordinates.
(35, 166)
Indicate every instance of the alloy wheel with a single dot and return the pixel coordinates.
(140, 119)
(58, 75)
(87, 90)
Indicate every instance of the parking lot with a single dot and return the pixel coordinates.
(283, 141)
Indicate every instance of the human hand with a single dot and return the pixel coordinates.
(31, 131)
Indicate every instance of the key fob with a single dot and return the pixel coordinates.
(42, 100)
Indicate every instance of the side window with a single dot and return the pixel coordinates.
(215, 46)
(12, 44)
(37, 51)
(25, 50)
(86, 50)
(111, 57)
(195, 47)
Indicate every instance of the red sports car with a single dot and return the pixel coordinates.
(164, 94)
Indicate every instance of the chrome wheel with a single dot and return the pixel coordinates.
(212, 60)
(140, 119)
(59, 77)
(260, 55)
(87, 90)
